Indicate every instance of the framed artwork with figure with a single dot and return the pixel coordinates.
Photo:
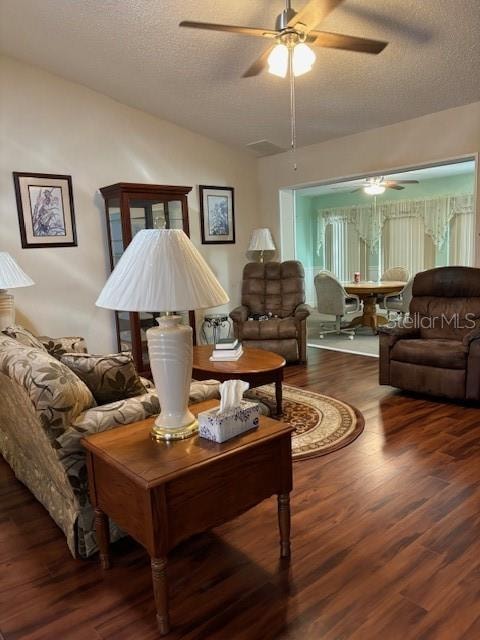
(217, 215)
(45, 210)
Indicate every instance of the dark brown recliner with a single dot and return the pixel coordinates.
(277, 288)
(437, 350)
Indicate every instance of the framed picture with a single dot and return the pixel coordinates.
(45, 210)
(217, 215)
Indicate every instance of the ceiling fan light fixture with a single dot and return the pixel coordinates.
(374, 189)
(303, 59)
(278, 61)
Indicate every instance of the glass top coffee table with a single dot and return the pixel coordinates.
(255, 366)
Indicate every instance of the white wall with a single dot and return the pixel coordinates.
(49, 125)
(433, 138)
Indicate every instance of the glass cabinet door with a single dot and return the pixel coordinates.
(153, 214)
(150, 214)
(115, 229)
(131, 207)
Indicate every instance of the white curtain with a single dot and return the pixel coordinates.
(403, 243)
(461, 245)
(368, 220)
(343, 250)
(417, 234)
(310, 292)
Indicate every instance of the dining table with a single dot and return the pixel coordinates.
(368, 293)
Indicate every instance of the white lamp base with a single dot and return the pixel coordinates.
(170, 351)
(7, 310)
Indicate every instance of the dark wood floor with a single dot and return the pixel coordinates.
(386, 542)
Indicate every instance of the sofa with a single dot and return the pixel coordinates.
(45, 411)
(273, 315)
(436, 349)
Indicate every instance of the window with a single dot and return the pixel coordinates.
(425, 222)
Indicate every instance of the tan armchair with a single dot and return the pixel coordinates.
(437, 348)
(278, 289)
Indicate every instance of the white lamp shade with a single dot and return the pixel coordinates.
(261, 240)
(11, 276)
(161, 270)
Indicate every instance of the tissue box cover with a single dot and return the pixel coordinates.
(223, 427)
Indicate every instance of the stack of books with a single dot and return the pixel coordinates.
(227, 349)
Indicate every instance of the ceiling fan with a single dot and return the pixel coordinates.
(293, 30)
(376, 185)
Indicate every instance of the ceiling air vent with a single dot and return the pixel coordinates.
(264, 148)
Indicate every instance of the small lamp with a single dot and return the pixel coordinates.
(261, 240)
(11, 277)
(161, 270)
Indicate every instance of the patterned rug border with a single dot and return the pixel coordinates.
(341, 405)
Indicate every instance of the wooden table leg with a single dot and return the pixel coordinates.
(279, 396)
(160, 591)
(370, 312)
(369, 317)
(102, 530)
(284, 524)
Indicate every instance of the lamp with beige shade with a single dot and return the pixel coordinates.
(161, 270)
(261, 240)
(11, 277)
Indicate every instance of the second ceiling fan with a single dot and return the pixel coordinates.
(293, 33)
(376, 186)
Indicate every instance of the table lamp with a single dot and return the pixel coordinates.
(261, 240)
(161, 270)
(11, 277)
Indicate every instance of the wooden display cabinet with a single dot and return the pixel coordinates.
(130, 207)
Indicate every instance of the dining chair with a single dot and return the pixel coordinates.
(397, 274)
(400, 274)
(333, 300)
(398, 302)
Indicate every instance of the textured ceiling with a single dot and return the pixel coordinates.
(133, 50)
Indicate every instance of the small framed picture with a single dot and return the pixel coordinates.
(217, 215)
(45, 210)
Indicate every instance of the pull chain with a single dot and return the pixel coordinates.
(293, 125)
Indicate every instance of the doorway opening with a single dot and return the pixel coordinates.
(416, 219)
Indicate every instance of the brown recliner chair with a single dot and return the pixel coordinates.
(437, 350)
(277, 288)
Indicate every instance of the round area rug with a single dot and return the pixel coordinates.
(322, 424)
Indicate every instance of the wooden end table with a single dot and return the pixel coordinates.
(255, 366)
(162, 493)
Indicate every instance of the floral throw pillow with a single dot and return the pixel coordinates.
(19, 333)
(58, 347)
(57, 394)
(110, 378)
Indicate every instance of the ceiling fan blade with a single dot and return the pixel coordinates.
(259, 65)
(313, 13)
(356, 190)
(246, 31)
(349, 43)
(397, 187)
(407, 181)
